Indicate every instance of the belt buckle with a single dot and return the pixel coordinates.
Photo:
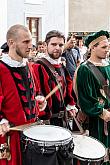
(61, 114)
(46, 122)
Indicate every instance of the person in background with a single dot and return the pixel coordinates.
(92, 97)
(33, 53)
(82, 48)
(62, 101)
(71, 55)
(17, 95)
(5, 48)
(41, 49)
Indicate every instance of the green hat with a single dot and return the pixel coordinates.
(94, 38)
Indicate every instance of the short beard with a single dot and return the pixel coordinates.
(18, 52)
(51, 55)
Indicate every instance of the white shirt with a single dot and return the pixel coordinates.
(13, 63)
(53, 61)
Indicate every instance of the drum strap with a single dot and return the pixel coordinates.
(53, 71)
(99, 76)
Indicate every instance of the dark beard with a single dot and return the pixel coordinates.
(51, 56)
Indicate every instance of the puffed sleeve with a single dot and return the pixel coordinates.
(89, 94)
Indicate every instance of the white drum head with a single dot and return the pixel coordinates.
(87, 148)
(48, 135)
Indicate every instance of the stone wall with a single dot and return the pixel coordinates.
(89, 15)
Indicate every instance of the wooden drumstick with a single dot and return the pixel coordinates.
(78, 125)
(22, 127)
(53, 91)
(16, 129)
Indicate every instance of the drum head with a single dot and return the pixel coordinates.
(88, 148)
(48, 135)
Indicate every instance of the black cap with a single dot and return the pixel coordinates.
(5, 47)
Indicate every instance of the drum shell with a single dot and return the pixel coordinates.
(36, 152)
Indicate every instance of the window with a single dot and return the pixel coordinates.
(33, 25)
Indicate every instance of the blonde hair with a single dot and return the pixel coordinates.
(13, 31)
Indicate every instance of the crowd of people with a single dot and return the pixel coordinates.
(28, 73)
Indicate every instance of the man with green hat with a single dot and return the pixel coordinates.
(93, 98)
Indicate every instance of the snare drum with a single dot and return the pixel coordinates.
(88, 149)
(47, 144)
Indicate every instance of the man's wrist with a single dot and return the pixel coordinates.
(71, 107)
(103, 113)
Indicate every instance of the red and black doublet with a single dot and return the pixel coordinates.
(45, 82)
(17, 105)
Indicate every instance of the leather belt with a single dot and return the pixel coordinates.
(58, 115)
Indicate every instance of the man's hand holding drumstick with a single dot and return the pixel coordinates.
(41, 102)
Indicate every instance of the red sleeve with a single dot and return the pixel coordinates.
(10, 103)
(69, 90)
(41, 79)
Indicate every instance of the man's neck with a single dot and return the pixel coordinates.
(98, 62)
(15, 57)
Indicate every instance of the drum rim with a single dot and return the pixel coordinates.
(89, 159)
(92, 138)
(49, 143)
(93, 159)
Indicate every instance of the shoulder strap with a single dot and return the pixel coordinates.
(55, 74)
(48, 64)
(99, 76)
(96, 73)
